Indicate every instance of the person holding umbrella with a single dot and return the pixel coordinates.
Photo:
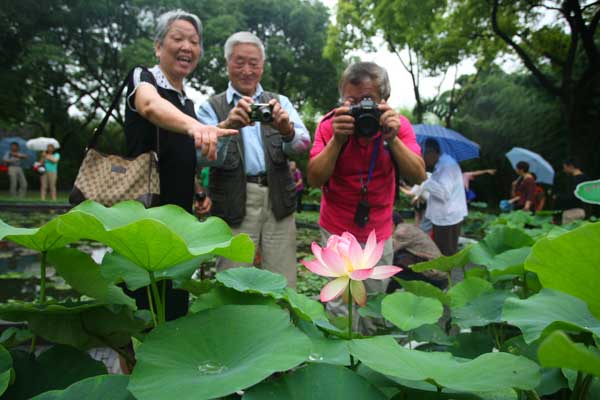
(523, 188)
(50, 160)
(13, 158)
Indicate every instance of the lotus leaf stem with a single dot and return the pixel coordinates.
(350, 311)
(151, 305)
(43, 278)
(157, 299)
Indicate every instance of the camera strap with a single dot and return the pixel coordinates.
(364, 185)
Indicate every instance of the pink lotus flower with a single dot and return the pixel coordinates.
(345, 260)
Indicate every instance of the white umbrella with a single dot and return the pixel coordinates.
(540, 167)
(41, 143)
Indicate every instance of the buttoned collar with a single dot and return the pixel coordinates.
(232, 95)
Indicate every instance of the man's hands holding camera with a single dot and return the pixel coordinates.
(362, 120)
(247, 112)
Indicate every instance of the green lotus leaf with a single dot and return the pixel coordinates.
(14, 336)
(481, 311)
(316, 382)
(424, 289)
(155, 238)
(116, 268)
(305, 307)
(431, 333)
(445, 263)
(547, 311)
(489, 372)
(325, 350)
(570, 263)
(56, 368)
(552, 378)
(216, 352)
(407, 311)
(502, 251)
(82, 273)
(102, 387)
(220, 296)
(5, 369)
(253, 280)
(82, 324)
(471, 345)
(40, 239)
(373, 307)
(557, 350)
(467, 290)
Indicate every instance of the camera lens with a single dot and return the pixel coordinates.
(367, 125)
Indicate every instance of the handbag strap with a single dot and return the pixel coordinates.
(117, 97)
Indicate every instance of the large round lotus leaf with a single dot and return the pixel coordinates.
(570, 263)
(253, 280)
(424, 289)
(316, 382)
(305, 307)
(502, 251)
(407, 311)
(216, 352)
(557, 350)
(41, 239)
(103, 387)
(155, 238)
(467, 290)
(481, 311)
(56, 368)
(487, 373)
(82, 273)
(549, 310)
(81, 325)
(5, 369)
(220, 296)
(325, 349)
(445, 263)
(116, 268)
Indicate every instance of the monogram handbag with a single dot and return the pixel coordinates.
(109, 178)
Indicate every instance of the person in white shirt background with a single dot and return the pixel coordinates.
(447, 205)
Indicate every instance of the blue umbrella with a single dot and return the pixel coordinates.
(5, 147)
(451, 142)
(540, 167)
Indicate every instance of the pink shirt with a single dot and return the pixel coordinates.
(341, 193)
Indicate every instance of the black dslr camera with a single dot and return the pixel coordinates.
(366, 117)
(261, 112)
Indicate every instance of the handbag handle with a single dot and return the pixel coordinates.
(100, 128)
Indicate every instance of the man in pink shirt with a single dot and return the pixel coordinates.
(354, 161)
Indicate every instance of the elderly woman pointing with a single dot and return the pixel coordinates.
(159, 116)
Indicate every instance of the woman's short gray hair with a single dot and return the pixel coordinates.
(165, 20)
(243, 38)
(361, 72)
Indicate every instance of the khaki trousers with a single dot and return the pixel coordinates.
(373, 286)
(275, 241)
(17, 177)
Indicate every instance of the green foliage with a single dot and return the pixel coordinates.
(487, 373)
(325, 382)
(560, 351)
(157, 238)
(578, 250)
(6, 371)
(253, 280)
(94, 388)
(408, 312)
(56, 368)
(239, 346)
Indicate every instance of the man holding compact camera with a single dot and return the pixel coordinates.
(358, 150)
(252, 189)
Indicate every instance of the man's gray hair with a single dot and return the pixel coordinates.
(361, 72)
(165, 20)
(243, 38)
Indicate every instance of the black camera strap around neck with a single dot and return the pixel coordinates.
(364, 185)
